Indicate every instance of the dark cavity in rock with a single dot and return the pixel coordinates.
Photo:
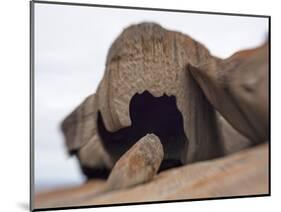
(149, 114)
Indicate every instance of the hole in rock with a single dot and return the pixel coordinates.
(90, 172)
(149, 114)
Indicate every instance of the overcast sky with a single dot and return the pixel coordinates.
(71, 44)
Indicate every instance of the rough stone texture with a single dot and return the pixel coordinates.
(81, 136)
(245, 173)
(146, 57)
(149, 58)
(242, 173)
(138, 165)
(238, 88)
(80, 126)
(233, 141)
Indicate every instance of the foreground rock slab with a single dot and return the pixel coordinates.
(242, 173)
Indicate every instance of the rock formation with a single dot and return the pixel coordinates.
(164, 82)
(242, 173)
(238, 88)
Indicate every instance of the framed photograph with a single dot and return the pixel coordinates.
(146, 105)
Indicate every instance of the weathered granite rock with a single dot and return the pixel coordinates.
(233, 141)
(82, 139)
(241, 173)
(164, 82)
(149, 58)
(149, 62)
(138, 165)
(238, 88)
(80, 126)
